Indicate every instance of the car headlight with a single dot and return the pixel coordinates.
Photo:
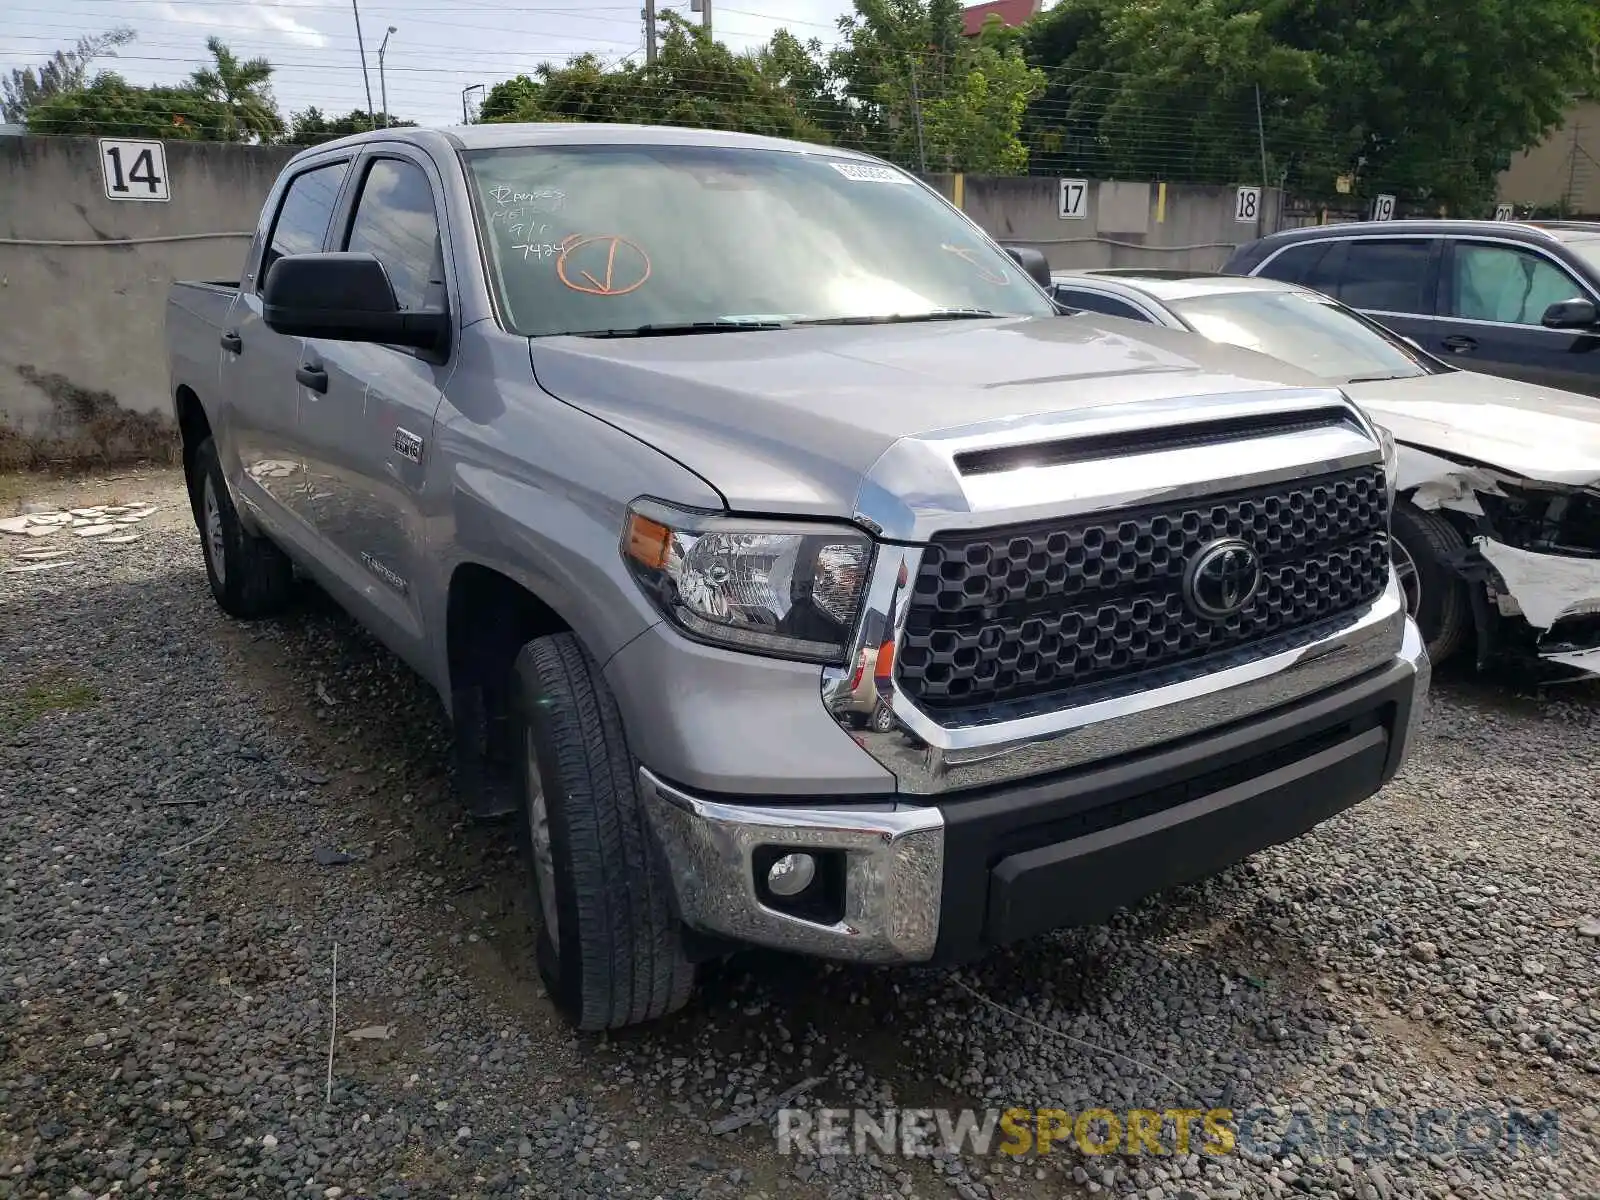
(790, 589)
(1391, 463)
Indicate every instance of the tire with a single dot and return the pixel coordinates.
(250, 577)
(882, 718)
(615, 956)
(1439, 601)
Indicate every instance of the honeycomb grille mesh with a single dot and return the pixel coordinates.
(1033, 611)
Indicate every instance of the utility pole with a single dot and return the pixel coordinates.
(372, 120)
(383, 84)
(916, 111)
(703, 7)
(1261, 137)
(466, 114)
(649, 33)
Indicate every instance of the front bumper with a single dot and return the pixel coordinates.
(944, 881)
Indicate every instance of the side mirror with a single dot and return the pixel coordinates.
(1034, 263)
(1571, 314)
(344, 297)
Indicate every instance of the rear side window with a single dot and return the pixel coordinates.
(395, 221)
(1100, 304)
(1388, 274)
(303, 217)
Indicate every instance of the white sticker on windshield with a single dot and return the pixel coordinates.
(868, 173)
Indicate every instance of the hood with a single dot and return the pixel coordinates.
(790, 420)
(1539, 433)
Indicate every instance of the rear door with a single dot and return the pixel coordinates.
(258, 364)
(1393, 280)
(368, 432)
(1494, 295)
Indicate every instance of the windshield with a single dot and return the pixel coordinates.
(583, 239)
(1304, 331)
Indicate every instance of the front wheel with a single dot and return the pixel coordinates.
(610, 949)
(1436, 597)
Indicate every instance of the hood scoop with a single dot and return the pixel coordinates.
(994, 460)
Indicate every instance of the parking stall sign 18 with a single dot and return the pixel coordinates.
(134, 169)
(1247, 207)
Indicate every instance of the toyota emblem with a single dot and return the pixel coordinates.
(1222, 579)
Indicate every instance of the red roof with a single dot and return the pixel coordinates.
(1011, 12)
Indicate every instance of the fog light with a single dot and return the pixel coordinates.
(791, 874)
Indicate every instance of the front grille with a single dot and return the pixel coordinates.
(1047, 611)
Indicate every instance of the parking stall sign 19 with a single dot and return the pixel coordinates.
(134, 169)
(1383, 208)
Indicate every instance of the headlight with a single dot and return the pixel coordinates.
(1391, 463)
(785, 588)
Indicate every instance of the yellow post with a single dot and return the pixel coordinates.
(961, 191)
(1161, 202)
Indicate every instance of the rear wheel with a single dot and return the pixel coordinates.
(610, 948)
(249, 576)
(1436, 597)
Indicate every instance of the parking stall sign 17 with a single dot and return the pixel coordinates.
(1074, 199)
(134, 169)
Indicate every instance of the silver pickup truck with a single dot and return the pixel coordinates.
(782, 552)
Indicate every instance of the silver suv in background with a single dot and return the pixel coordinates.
(659, 451)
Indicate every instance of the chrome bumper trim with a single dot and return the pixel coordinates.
(893, 875)
(1414, 652)
(928, 758)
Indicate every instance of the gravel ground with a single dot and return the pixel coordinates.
(173, 784)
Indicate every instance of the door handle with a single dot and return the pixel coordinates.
(1459, 343)
(232, 342)
(314, 377)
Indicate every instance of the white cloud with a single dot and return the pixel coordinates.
(246, 16)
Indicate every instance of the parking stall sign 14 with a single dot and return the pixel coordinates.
(134, 169)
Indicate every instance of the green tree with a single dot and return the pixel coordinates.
(242, 90)
(695, 81)
(63, 71)
(929, 94)
(1425, 98)
(110, 106)
(310, 127)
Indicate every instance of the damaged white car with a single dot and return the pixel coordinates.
(1497, 525)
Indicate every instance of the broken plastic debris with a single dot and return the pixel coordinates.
(327, 857)
(372, 1033)
(1545, 586)
(39, 566)
(94, 530)
(14, 525)
(41, 555)
(120, 539)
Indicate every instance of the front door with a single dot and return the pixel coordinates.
(1493, 299)
(367, 410)
(258, 363)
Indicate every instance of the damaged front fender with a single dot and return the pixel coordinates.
(1557, 595)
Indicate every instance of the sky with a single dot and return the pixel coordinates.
(438, 47)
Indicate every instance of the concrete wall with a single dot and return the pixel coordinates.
(83, 373)
(1562, 169)
(1126, 224)
(83, 279)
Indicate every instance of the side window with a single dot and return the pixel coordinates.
(395, 221)
(1389, 274)
(1100, 304)
(303, 217)
(1297, 263)
(1504, 284)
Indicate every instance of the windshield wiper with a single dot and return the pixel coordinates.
(938, 314)
(680, 329)
(1379, 378)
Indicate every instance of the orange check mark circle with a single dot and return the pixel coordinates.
(602, 265)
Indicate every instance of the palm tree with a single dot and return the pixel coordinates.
(247, 107)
